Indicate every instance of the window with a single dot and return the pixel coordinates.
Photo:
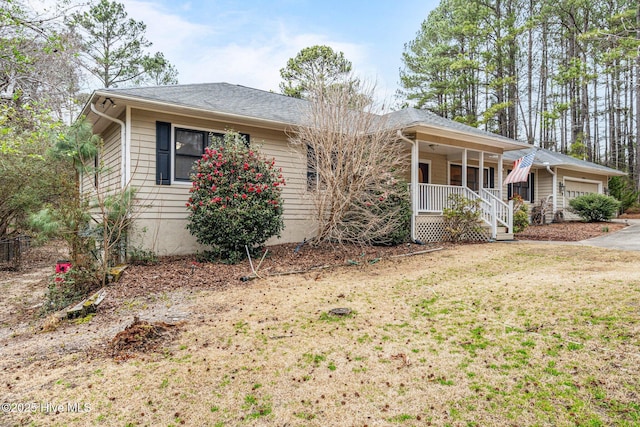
(96, 166)
(523, 189)
(313, 177)
(189, 147)
(473, 177)
(178, 148)
(312, 172)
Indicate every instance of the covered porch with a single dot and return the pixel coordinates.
(474, 171)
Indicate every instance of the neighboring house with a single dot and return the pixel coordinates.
(152, 136)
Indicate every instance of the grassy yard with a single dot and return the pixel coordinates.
(495, 334)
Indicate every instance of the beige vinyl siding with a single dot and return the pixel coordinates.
(438, 167)
(164, 216)
(110, 160)
(544, 191)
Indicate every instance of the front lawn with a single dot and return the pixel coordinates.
(493, 334)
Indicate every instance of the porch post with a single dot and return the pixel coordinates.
(464, 167)
(415, 190)
(500, 177)
(480, 172)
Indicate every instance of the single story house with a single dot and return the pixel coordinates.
(152, 136)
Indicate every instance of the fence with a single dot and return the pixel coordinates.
(11, 251)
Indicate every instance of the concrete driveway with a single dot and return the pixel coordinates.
(627, 239)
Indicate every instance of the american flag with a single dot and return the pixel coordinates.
(521, 167)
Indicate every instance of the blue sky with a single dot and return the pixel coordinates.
(248, 42)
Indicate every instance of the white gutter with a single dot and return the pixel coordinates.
(123, 143)
(554, 183)
(415, 153)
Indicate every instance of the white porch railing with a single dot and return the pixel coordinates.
(493, 191)
(433, 198)
(503, 211)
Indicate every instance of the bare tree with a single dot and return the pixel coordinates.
(354, 161)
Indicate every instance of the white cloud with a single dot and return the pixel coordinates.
(238, 48)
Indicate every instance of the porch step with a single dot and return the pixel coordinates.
(502, 236)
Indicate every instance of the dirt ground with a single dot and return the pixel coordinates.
(568, 231)
(158, 303)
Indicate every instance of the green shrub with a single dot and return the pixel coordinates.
(385, 222)
(462, 218)
(397, 207)
(595, 207)
(235, 199)
(520, 214)
(140, 256)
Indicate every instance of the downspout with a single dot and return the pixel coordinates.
(414, 183)
(554, 184)
(123, 143)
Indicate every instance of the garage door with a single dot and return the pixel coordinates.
(574, 189)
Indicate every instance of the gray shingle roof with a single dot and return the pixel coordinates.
(259, 104)
(408, 117)
(558, 159)
(223, 98)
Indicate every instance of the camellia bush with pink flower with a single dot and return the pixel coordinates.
(236, 199)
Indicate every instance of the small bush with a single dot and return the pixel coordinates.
(520, 214)
(235, 199)
(398, 208)
(68, 288)
(462, 218)
(139, 256)
(595, 207)
(389, 217)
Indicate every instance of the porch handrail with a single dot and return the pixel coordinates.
(503, 211)
(434, 198)
(487, 210)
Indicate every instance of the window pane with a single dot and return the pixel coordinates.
(456, 175)
(189, 143)
(472, 178)
(183, 166)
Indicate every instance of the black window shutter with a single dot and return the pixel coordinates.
(163, 153)
(492, 181)
(532, 186)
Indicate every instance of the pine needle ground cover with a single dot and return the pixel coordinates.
(494, 334)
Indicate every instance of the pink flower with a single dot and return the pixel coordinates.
(244, 196)
(246, 166)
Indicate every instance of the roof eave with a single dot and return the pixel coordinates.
(136, 101)
(468, 136)
(587, 169)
